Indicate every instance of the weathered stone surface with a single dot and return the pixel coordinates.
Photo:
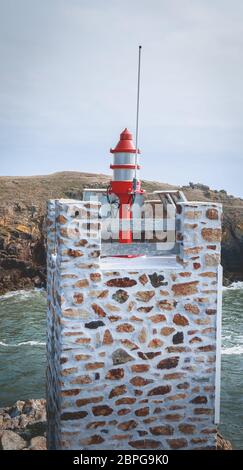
(195, 250)
(207, 348)
(120, 356)
(148, 355)
(185, 288)
(145, 309)
(102, 410)
(92, 440)
(223, 444)
(156, 280)
(178, 338)
(83, 340)
(192, 308)
(158, 318)
(119, 390)
(195, 339)
(75, 313)
(94, 365)
(186, 428)
(139, 381)
(74, 253)
(38, 443)
(166, 305)
(203, 411)
(127, 425)
(114, 318)
(125, 328)
(131, 306)
(208, 274)
(144, 444)
(140, 368)
(177, 443)
(143, 279)
(98, 310)
(86, 401)
(161, 390)
(178, 349)
(212, 259)
(73, 415)
(95, 277)
(167, 330)
(69, 371)
(125, 401)
(185, 274)
(61, 219)
(180, 320)
(145, 296)
(129, 344)
(115, 374)
(124, 411)
(200, 399)
(177, 396)
(168, 363)
(120, 437)
(174, 376)
(94, 254)
(211, 311)
(165, 430)
(142, 411)
(99, 294)
(70, 392)
(107, 338)
(155, 343)
(81, 379)
(211, 234)
(193, 214)
(95, 424)
(212, 214)
(82, 283)
(173, 417)
(92, 325)
(121, 282)
(78, 298)
(143, 335)
(112, 308)
(12, 441)
(120, 296)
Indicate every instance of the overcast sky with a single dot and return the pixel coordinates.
(68, 87)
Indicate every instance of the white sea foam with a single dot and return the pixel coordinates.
(233, 350)
(234, 286)
(23, 343)
(22, 294)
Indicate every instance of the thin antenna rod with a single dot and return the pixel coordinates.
(137, 116)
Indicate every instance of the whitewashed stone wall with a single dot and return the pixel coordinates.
(131, 353)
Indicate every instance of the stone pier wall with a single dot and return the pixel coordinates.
(131, 352)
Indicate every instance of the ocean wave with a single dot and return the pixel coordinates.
(234, 350)
(234, 286)
(23, 343)
(22, 294)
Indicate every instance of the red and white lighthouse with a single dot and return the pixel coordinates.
(125, 183)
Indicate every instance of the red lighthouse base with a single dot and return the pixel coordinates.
(124, 190)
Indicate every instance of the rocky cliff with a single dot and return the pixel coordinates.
(22, 223)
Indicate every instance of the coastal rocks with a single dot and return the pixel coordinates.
(12, 441)
(23, 425)
(38, 443)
